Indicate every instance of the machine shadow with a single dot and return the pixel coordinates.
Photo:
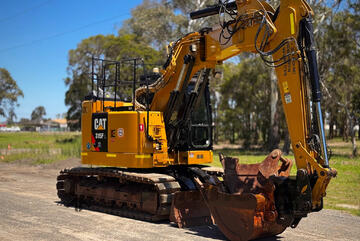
(213, 232)
(206, 231)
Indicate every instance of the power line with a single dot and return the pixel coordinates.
(63, 33)
(24, 11)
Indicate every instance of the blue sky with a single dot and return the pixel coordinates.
(39, 67)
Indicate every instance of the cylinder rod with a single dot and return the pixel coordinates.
(310, 50)
(321, 129)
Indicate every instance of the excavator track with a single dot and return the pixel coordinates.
(139, 195)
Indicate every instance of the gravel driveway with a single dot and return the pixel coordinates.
(29, 211)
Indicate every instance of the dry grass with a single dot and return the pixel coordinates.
(38, 148)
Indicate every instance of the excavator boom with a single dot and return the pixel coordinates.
(284, 39)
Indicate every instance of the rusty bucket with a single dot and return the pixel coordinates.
(244, 208)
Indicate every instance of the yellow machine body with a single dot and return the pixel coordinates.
(125, 137)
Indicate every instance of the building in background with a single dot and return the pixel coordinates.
(55, 125)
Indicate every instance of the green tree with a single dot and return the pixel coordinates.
(339, 68)
(153, 22)
(78, 80)
(38, 114)
(11, 116)
(9, 94)
(245, 95)
(159, 22)
(185, 7)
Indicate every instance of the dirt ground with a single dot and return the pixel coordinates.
(29, 211)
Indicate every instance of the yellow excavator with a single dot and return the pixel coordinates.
(146, 154)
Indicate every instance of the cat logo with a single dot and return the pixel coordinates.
(100, 124)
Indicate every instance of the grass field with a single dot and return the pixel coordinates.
(343, 192)
(39, 148)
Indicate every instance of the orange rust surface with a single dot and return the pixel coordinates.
(189, 209)
(248, 211)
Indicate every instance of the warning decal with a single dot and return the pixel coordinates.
(288, 98)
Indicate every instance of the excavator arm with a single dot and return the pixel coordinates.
(284, 40)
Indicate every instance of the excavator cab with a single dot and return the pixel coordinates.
(197, 134)
(201, 123)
